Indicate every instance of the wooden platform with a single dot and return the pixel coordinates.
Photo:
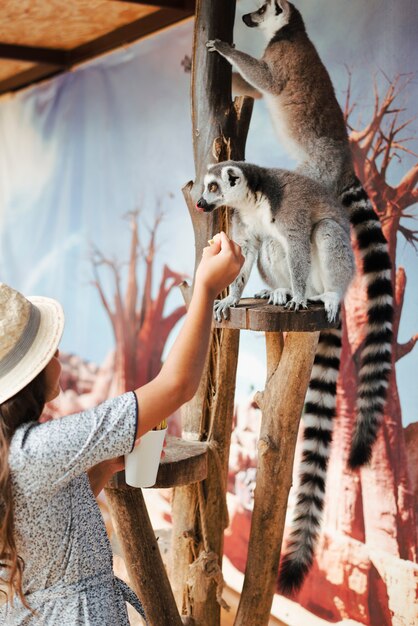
(184, 462)
(255, 314)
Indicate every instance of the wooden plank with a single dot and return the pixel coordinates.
(34, 54)
(219, 132)
(64, 24)
(142, 556)
(254, 314)
(185, 462)
(282, 403)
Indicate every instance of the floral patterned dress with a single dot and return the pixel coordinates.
(59, 530)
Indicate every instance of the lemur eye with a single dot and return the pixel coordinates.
(262, 9)
(213, 187)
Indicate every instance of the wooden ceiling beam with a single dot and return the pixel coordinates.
(34, 54)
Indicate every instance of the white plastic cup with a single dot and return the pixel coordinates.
(141, 465)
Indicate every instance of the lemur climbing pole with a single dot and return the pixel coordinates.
(197, 465)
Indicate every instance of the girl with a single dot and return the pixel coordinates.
(55, 558)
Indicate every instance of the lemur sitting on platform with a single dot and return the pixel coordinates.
(297, 233)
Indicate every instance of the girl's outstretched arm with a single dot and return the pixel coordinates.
(180, 375)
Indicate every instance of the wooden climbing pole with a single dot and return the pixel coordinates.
(196, 466)
(200, 517)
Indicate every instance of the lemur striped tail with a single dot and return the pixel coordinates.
(376, 353)
(319, 413)
(375, 365)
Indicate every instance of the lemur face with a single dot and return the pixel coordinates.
(270, 17)
(222, 186)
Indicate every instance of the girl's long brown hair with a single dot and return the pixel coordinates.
(25, 406)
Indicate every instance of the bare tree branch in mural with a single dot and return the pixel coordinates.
(140, 332)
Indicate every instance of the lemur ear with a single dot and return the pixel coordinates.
(281, 6)
(231, 175)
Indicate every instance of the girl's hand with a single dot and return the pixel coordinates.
(101, 473)
(220, 264)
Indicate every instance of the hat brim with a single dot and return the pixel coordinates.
(42, 350)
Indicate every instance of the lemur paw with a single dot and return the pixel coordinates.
(331, 302)
(221, 307)
(264, 293)
(279, 296)
(274, 296)
(216, 45)
(296, 303)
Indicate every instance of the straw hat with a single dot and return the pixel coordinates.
(30, 331)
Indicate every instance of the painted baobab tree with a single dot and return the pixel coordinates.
(139, 321)
(373, 507)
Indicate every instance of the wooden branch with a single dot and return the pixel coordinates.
(274, 351)
(186, 292)
(207, 613)
(282, 405)
(142, 556)
(219, 133)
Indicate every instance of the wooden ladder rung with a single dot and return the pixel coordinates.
(185, 462)
(254, 314)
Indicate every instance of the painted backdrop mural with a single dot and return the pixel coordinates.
(91, 212)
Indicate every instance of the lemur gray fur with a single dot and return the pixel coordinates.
(288, 217)
(307, 117)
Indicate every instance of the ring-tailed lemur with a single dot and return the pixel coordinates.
(287, 217)
(306, 115)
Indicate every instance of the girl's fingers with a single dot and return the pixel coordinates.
(213, 248)
(225, 240)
